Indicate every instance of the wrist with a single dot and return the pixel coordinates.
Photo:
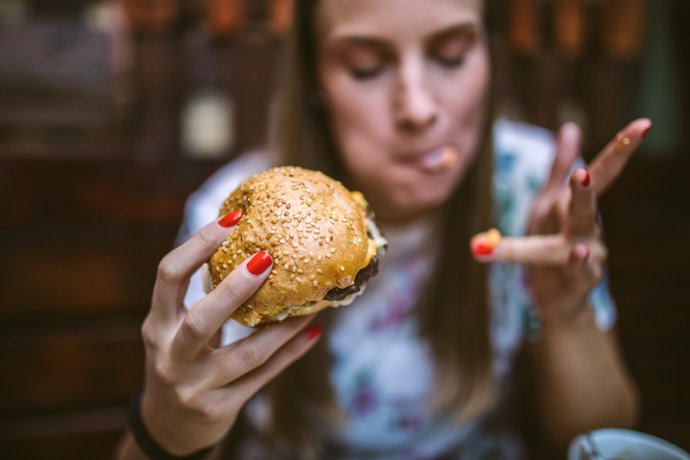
(574, 317)
(150, 443)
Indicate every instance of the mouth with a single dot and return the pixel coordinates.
(434, 161)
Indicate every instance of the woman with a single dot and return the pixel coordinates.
(394, 99)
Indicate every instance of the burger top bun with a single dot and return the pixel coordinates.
(312, 226)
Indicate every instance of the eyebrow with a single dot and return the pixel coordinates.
(383, 44)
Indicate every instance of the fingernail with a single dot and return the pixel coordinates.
(483, 244)
(314, 331)
(259, 263)
(230, 219)
(646, 131)
(580, 253)
(482, 248)
(583, 177)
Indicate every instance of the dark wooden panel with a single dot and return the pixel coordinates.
(64, 281)
(113, 192)
(68, 366)
(85, 237)
(73, 435)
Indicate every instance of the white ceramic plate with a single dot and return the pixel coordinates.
(616, 444)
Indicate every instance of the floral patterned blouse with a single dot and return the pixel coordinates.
(382, 371)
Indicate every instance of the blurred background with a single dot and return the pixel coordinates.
(111, 113)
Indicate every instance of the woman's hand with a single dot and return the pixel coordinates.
(193, 390)
(565, 251)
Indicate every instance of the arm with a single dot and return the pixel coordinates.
(581, 381)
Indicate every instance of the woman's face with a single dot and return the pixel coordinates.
(406, 82)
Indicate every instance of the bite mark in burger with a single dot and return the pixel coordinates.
(322, 237)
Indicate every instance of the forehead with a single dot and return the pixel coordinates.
(409, 19)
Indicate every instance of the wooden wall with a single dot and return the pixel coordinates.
(92, 189)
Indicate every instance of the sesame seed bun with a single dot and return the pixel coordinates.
(320, 235)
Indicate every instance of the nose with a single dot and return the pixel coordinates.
(414, 105)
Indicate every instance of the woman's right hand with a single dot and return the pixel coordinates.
(193, 390)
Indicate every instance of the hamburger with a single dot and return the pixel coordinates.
(322, 237)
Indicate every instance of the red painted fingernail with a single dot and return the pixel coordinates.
(482, 248)
(646, 131)
(314, 331)
(230, 219)
(580, 253)
(584, 178)
(259, 263)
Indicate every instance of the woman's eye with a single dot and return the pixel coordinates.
(451, 61)
(451, 52)
(366, 73)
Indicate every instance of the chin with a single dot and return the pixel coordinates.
(407, 206)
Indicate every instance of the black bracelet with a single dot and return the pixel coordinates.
(146, 443)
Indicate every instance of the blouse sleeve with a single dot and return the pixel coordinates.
(202, 208)
(523, 157)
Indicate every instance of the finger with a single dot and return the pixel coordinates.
(608, 165)
(579, 254)
(207, 316)
(248, 385)
(568, 149)
(533, 250)
(582, 212)
(242, 357)
(178, 265)
(586, 267)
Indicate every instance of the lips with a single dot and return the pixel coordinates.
(436, 160)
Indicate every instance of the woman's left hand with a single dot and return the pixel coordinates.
(564, 249)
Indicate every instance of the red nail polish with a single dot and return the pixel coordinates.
(580, 254)
(259, 263)
(314, 331)
(230, 219)
(646, 131)
(585, 178)
(482, 248)
(585, 254)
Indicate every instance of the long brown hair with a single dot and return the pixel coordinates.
(453, 313)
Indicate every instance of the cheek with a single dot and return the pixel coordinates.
(466, 106)
(469, 103)
(361, 122)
